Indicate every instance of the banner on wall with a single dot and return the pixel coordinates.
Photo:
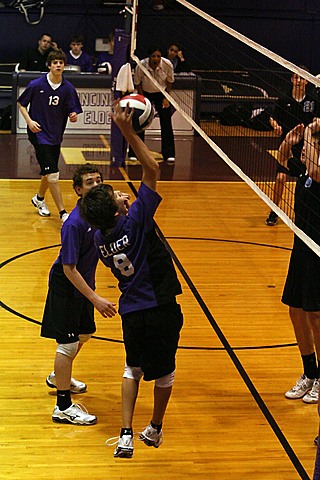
(96, 105)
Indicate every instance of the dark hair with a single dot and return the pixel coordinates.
(174, 44)
(154, 48)
(76, 38)
(45, 35)
(82, 170)
(98, 207)
(56, 55)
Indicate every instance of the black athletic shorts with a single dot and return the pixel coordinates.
(47, 155)
(65, 317)
(151, 339)
(302, 287)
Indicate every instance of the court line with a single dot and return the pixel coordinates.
(181, 347)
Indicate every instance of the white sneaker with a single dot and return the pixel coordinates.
(75, 385)
(41, 206)
(64, 217)
(124, 448)
(171, 160)
(76, 414)
(303, 385)
(313, 395)
(151, 437)
(133, 159)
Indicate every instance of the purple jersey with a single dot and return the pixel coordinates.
(50, 108)
(77, 239)
(138, 258)
(84, 61)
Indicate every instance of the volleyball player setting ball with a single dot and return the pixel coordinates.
(143, 110)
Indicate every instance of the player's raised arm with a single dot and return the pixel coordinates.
(150, 168)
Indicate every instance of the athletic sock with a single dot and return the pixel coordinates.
(157, 427)
(64, 399)
(40, 198)
(310, 365)
(126, 431)
(62, 213)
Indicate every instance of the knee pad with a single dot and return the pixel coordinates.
(166, 381)
(68, 349)
(132, 372)
(84, 337)
(53, 177)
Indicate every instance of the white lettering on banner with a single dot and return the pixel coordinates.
(93, 117)
(94, 99)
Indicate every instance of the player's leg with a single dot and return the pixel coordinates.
(163, 330)
(167, 137)
(129, 393)
(60, 321)
(305, 339)
(51, 155)
(279, 185)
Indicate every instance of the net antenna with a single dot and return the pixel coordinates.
(264, 51)
(134, 11)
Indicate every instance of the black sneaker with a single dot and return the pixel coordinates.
(315, 441)
(272, 219)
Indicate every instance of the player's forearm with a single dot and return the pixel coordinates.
(78, 282)
(169, 87)
(284, 153)
(149, 164)
(24, 113)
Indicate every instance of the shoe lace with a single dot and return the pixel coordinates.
(110, 442)
(81, 407)
(301, 383)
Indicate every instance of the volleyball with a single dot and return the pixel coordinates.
(143, 110)
(105, 67)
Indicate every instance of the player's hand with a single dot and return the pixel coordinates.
(295, 135)
(314, 125)
(73, 117)
(165, 103)
(104, 307)
(180, 55)
(34, 126)
(124, 201)
(278, 130)
(123, 118)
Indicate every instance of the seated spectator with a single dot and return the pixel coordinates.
(106, 57)
(35, 60)
(77, 57)
(175, 55)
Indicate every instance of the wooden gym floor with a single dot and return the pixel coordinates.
(228, 417)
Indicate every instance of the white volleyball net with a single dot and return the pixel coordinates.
(250, 98)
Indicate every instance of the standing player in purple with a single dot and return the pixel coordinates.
(51, 100)
(128, 244)
(69, 311)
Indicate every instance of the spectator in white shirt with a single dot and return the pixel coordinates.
(161, 70)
